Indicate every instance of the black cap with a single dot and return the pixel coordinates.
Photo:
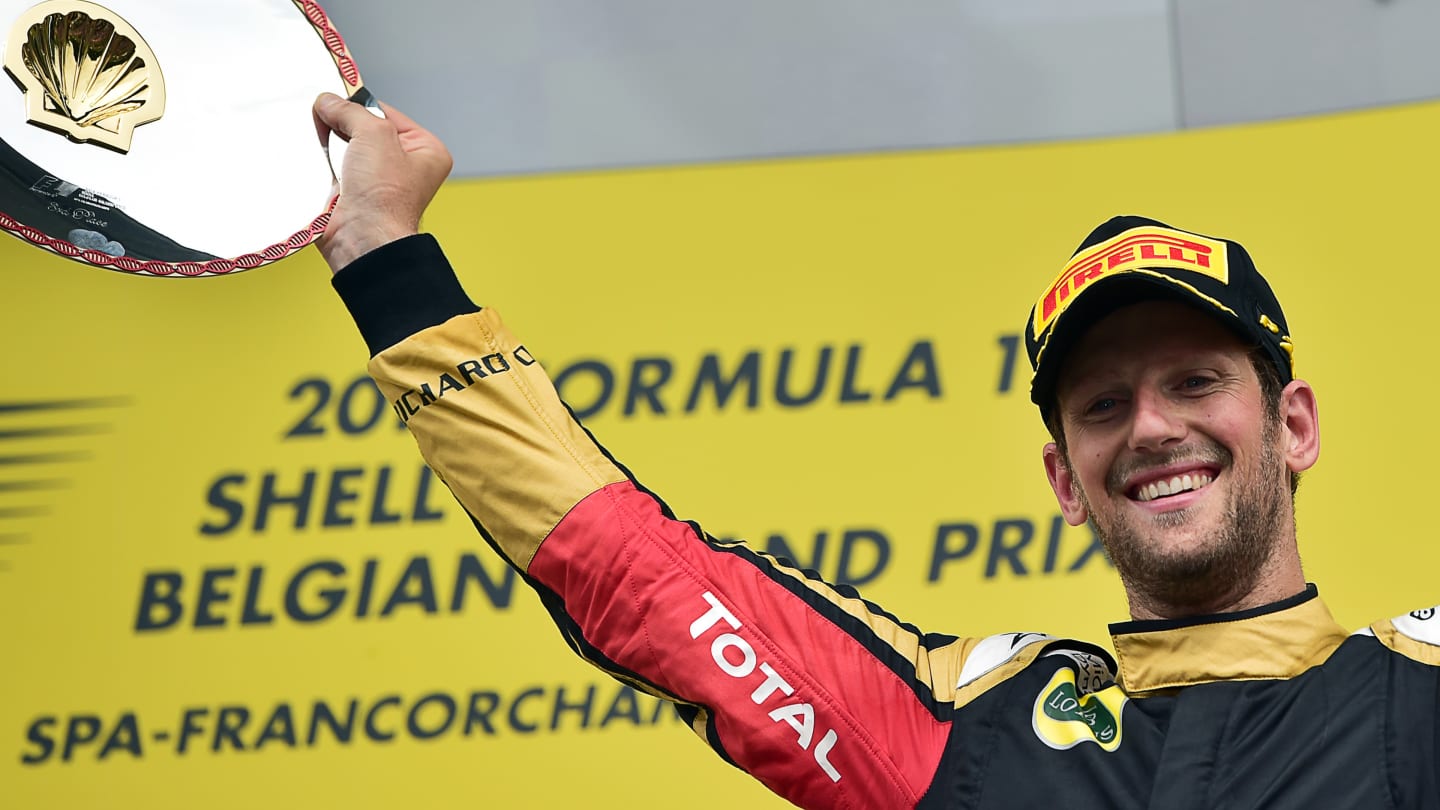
(1131, 259)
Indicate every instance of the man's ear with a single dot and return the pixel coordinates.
(1062, 480)
(1300, 420)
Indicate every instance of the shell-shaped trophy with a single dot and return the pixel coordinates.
(167, 137)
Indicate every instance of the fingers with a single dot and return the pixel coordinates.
(348, 120)
(418, 141)
(323, 113)
(341, 116)
(322, 129)
(403, 122)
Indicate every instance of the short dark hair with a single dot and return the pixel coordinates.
(1270, 389)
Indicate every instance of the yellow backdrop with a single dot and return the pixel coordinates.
(226, 580)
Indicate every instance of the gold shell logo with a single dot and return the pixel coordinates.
(86, 73)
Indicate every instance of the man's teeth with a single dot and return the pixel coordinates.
(1174, 486)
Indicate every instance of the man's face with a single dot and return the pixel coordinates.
(1172, 455)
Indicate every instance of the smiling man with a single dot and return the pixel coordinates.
(1163, 369)
(1165, 376)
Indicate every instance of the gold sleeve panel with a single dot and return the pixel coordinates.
(1411, 648)
(489, 422)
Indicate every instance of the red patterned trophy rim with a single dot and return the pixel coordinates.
(217, 267)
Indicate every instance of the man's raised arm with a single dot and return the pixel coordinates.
(823, 697)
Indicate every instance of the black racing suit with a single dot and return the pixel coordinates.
(833, 703)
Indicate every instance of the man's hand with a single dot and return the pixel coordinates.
(392, 169)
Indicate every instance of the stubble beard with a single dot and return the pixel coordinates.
(1209, 575)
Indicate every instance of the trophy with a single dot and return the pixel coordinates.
(168, 138)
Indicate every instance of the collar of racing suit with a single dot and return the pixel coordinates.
(1278, 640)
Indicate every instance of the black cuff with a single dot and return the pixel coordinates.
(398, 289)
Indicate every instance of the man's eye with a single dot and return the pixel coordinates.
(1101, 406)
(1195, 381)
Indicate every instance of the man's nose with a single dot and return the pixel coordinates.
(1155, 422)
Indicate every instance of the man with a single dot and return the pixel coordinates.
(1163, 370)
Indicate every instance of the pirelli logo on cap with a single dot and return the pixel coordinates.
(1136, 249)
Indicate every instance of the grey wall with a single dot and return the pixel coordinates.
(546, 85)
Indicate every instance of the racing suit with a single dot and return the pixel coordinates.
(833, 703)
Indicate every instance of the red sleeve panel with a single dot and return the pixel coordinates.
(796, 700)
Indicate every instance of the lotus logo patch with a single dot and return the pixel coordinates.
(1064, 717)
